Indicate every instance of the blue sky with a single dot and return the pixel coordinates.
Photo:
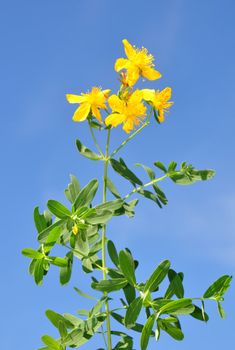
(49, 48)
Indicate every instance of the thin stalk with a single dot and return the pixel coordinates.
(104, 267)
(95, 140)
(137, 189)
(129, 138)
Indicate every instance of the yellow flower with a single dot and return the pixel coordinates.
(138, 62)
(159, 100)
(92, 102)
(130, 111)
(75, 229)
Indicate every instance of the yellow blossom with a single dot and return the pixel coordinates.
(75, 229)
(91, 101)
(159, 100)
(138, 63)
(130, 111)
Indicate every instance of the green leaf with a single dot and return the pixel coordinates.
(52, 238)
(82, 294)
(86, 152)
(110, 205)
(177, 307)
(122, 170)
(221, 310)
(52, 343)
(61, 262)
(148, 170)
(62, 330)
(137, 328)
(58, 209)
(39, 271)
(86, 195)
(199, 314)
(187, 175)
(160, 166)
(100, 217)
(73, 189)
(44, 234)
(39, 220)
(146, 332)
(149, 195)
(65, 272)
(110, 285)
(112, 188)
(130, 293)
(218, 288)
(133, 312)
(56, 318)
(113, 252)
(31, 253)
(173, 331)
(73, 338)
(175, 286)
(157, 276)
(127, 266)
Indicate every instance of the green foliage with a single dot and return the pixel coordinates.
(81, 230)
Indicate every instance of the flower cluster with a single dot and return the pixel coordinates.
(129, 105)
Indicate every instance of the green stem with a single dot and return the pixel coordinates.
(130, 137)
(94, 139)
(104, 267)
(137, 189)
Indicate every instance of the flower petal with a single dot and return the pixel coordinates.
(82, 112)
(150, 73)
(116, 104)
(128, 125)
(132, 74)
(115, 119)
(130, 51)
(120, 64)
(96, 113)
(148, 94)
(161, 116)
(75, 98)
(106, 92)
(166, 93)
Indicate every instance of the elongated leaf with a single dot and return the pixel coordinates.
(112, 188)
(160, 166)
(65, 272)
(199, 314)
(148, 170)
(175, 286)
(71, 192)
(56, 318)
(39, 220)
(31, 253)
(52, 343)
(177, 307)
(51, 239)
(157, 276)
(173, 331)
(221, 310)
(86, 152)
(61, 262)
(218, 288)
(130, 293)
(39, 271)
(146, 332)
(113, 253)
(44, 234)
(58, 209)
(86, 195)
(125, 172)
(100, 217)
(85, 295)
(110, 285)
(133, 312)
(149, 195)
(110, 205)
(127, 266)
